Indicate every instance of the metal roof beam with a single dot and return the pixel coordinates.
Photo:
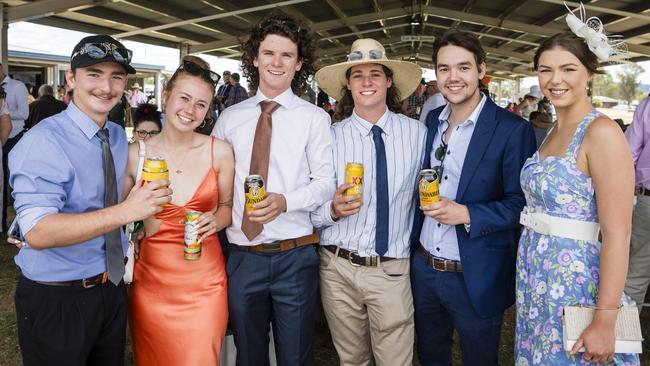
(513, 25)
(315, 27)
(207, 18)
(46, 8)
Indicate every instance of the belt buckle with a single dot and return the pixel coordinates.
(439, 265)
(639, 191)
(87, 283)
(350, 259)
(271, 248)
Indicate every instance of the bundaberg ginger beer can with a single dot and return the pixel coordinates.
(354, 175)
(154, 168)
(192, 247)
(429, 187)
(254, 191)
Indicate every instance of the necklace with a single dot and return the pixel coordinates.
(178, 167)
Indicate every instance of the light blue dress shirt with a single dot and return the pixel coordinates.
(404, 139)
(57, 168)
(437, 238)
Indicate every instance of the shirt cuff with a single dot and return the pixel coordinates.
(28, 218)
(326, 213)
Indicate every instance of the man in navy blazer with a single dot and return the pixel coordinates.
(463, 266)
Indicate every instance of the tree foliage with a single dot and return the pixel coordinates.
(628, 82)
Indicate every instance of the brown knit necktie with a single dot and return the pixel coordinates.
(260, 160)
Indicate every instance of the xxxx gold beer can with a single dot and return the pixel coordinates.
(192, 247)
(254, 191)
(429, 187)
(154, 168)
(354, 175)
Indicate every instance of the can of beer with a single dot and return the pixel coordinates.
(192, 247)
(254, 191)
(354, 175)
(154, 168)
(429, 187)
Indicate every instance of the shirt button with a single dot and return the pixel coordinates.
(439, 225)
(438, 248)
(446, 177)
(448, 152)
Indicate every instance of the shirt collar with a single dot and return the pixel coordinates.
(365, 126)
(284, 99)
(85, 123)
(471, 119)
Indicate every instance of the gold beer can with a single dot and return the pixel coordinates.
(428, 187)
(354, 175)
(254, 191)
(154, 168)
(192, 245)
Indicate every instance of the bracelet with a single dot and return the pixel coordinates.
(618, 308)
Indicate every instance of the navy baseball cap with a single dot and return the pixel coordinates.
(101, 48)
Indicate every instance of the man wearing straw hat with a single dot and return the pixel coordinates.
(364, 263)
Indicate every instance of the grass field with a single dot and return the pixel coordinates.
(324, 353)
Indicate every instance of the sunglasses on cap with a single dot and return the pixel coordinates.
(196, 70)
(372, 55)
(99, 50)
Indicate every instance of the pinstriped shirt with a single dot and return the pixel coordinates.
(404, 139)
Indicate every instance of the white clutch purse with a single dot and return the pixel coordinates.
(628, 328)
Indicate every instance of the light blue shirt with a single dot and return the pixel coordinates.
(404, 139)
(437, 238)
(57, 168)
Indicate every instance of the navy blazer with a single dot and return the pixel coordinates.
(489, 187)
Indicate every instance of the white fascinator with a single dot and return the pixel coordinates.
(591, 30)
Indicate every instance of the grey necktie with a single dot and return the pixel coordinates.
(114, 254)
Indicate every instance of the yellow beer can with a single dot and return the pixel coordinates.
(254, 191)
(354, 175)
(154, 168)
(429, 187)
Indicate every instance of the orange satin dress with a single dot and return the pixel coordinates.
(179, 308)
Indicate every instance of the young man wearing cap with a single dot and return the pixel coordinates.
(463, 268)
(273, 264)
(365, 248)
(70, 299)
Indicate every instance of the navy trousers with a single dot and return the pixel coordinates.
(279, 288)
(442, 304)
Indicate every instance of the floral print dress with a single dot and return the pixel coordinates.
(553, 272)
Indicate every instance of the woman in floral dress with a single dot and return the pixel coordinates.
(582, 172)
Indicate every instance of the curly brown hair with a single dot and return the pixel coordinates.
(285, 26)
(346, 104)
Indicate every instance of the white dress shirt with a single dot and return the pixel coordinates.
(17, 104)
(434, 101)
(437, 238)
(300, 164)
(404, 139)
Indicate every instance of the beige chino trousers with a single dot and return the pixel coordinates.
(369, 310)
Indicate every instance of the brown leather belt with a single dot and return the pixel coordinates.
(640, 191)
(280, 245)
(355, 259)
(440, 264)
(89, 282)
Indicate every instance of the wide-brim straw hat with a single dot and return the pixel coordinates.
(406, 75)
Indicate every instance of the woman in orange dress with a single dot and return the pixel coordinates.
(179, 308)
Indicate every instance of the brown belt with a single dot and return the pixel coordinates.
(640, 191)
(280, 245)
(89, 282)
(440, 264)
(355, 259)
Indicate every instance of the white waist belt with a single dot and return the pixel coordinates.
(558, 226)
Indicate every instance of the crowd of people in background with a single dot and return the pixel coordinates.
(535, 207)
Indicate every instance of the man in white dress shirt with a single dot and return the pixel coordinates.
(273, 264)
(19, 111)
(435, 100)
(364, 272)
